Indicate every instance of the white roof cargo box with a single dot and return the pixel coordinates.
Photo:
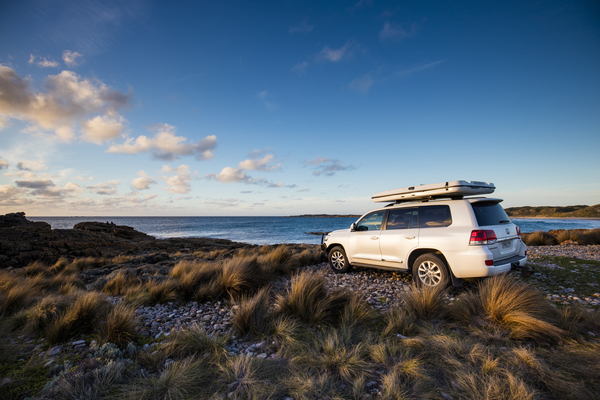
(435, 190)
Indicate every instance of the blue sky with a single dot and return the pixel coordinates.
(292, 107)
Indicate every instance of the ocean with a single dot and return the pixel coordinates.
(269, 230)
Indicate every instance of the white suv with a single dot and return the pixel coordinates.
(438, 241)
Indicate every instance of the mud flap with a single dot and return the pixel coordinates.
(455, 281)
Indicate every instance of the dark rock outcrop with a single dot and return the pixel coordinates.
(23, 241)
(120, 231)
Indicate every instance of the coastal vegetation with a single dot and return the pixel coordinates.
(552, 238)
(580, 211)
(500, 338)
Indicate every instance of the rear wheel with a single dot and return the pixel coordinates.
(430, 270)
(338, 260)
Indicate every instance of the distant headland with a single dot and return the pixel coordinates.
(326, 216)
(580, 211)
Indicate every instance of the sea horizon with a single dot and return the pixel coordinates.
(269, 229)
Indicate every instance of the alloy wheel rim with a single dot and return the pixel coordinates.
(430, 273)
(337, 260)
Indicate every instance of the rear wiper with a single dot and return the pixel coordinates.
(505, 221)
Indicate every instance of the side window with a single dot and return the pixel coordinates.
(435, 217)
(371, 222)
(401, 219)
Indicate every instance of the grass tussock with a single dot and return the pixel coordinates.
(123, 280)
(575, 236)
(593, 236)
(194, 341)
(515, 306)
(279, 261)
(426, 302)
(306, 299)
(539, 238)
(160, 292)
(180, 380)
(399, 321)
(337, 354)
(120, 326)
(250, 378)
(251, 317)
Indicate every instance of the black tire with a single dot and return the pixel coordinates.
(430, 270)
(338, 260)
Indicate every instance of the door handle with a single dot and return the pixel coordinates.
(374, 237)
(409, 237)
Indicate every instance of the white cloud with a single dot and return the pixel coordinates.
(4, 122)
(102, 128)
(263, 96)
(71, 58)
(396, 32)
(67, 101)
(236, 175)
(47, 188)
(180, 182)
(3, 164)
(166, 146)
(259, 164)
(231, 175)
(28, 165)
(327, 54)
(81, 178)
(105, 188)
(362, 84)
(42, 61)
(335, 55)
(418, 68)
(143, 182)
(303, 27)
(300, 68)
(328, 167)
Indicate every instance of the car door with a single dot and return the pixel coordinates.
(363, 242)
(399, 237)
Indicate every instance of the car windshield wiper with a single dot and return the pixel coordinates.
(505, 221)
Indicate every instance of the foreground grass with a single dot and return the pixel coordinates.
(500, 340)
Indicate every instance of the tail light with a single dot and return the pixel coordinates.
(479, 237)
(489, 263)
(518, 231)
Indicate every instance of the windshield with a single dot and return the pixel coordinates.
(490, 213)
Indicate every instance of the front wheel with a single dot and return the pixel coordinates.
(430, 270)
(338, 260)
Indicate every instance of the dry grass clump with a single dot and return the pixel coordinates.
(250, 378)
(539, 238)
(120, 326)
(16, 294)
(194, 341)
(309, 300)
(518, 307)
(160, 292)
(214, 254)
(336, 353)
(180, 380)
(242, 275)
(251, 316)
(84, 263)
(95, 382)
(426, 302)
(82, 316)
(46, 312)
(593, 236)
(399, 320)
(123, 280)
(279, 261)
(306, 299)
(575, 236)
(121, 259)
(192, 275)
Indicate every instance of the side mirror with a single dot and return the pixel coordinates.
(353, 227)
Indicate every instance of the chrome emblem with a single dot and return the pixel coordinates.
(507, 231)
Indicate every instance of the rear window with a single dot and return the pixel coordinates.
(488, 213)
